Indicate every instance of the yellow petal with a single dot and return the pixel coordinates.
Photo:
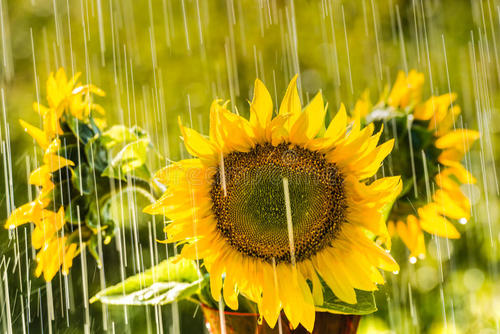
(295, 296)
(412, 236)
(199, 146)
(215, 126)
(442, 126)
(355, 268)
(308, 313)
(435, 107)
(335, 131)
(448, 207)
(311, 120)
(261, 110)
(372, 162)
(61, 78)
(450, 156)
(317, 289)
(51, 125)
(460, 139)
(46, 228)
(337, 126)
(55, 162)
(54, 146)
(270, 306)
(463, 175)
(40, 176)
(216, 270)
(230, 293)
(378, 255)
(40, 109)
(53, 94)
(276, 132)
(398, 90)
(55, 252)
(290, 105)
(183, 171)
(342, 290)
(71, 252)
(237, 133)
(291, 101)
(362, 107)
(36, 133)
(407, 90)
(29, 212)
(432, 222)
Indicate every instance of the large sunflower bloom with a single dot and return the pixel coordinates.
(434, 137)
(271, 203)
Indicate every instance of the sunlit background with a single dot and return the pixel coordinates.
(160, 59)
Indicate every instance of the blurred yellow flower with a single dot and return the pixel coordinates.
(64, 98)
(407, 90)
(438, 115)
(269, 205)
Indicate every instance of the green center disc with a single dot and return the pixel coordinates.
(249, 202)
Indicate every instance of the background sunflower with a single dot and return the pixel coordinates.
(429, 154)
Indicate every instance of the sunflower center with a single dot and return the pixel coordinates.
(249, 202)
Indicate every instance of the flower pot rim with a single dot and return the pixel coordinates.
(231, 313)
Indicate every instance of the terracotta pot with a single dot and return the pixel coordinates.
(248, 323)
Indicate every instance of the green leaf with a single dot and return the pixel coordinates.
(61, 175)
(92, 218)
(159, 293)
(92, 247)
(81, 130)
(130, 160)
(165, 283)
(83, 179)
(118, 134)
(62, 194)
(70, 152)
(407, 186)
(71, 211)
(131, 151)
(115, 203)
(97, 154)
(365, 305)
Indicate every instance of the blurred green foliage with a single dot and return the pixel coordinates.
(159, 59)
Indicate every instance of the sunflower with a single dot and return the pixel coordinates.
(425, 130)
(65, 99)
(277, 205)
